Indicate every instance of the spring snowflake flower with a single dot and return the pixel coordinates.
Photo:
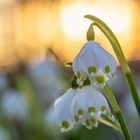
(62, 110)
(88, 105)
(94, 62)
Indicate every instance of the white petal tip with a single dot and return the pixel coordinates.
(98, 115)
(104, 112)
(92, 75)
(92, 114)
(81, 117)
(112, 117)
(63, 130)
(96, 125)
(89, 127)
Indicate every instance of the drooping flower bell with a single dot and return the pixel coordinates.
(62, 110)
(88, 105)
(94, 62)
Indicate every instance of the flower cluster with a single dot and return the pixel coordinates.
(84, 103)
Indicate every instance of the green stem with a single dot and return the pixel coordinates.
(119, 53)
(109, 95)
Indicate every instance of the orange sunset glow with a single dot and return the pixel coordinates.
(28, 30)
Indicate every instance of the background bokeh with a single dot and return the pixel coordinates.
(36, 38)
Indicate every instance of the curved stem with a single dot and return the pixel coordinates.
(119, 53)
(109, 95)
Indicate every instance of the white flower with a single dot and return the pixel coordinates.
(62, 110)
(92, 61)
(14, 105)
(88, 105)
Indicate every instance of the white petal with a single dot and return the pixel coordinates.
(76, 65)
(98, 115)
(79, 102)
(89, 59)
(62, 107)
(104, 57)
(63, 130)
(95, 98)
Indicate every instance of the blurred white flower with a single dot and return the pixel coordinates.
(49, 88)
(62, 110)
(14, 105)
(130, 113)
(4, 135)
(94, 62)
(88, 105)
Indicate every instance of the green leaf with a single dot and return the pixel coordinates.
(108, 120)
(68, 64)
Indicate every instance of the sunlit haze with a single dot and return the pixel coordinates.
(28, 30)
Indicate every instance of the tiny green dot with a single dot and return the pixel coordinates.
(65, 124)
(91, 109)
(80, 112)
(76, 118)
(92, 69)
(93, 120)
(103, 108)
(100, 79)
(107, 69)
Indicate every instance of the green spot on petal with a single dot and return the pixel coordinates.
(100, 79)
(93, 120)
(83, 78)
(65, 124)
(103, 108)
(76, 118)
(107, 69)
(92, 69)
(78, 75)
(91, 109)
(80, 112)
